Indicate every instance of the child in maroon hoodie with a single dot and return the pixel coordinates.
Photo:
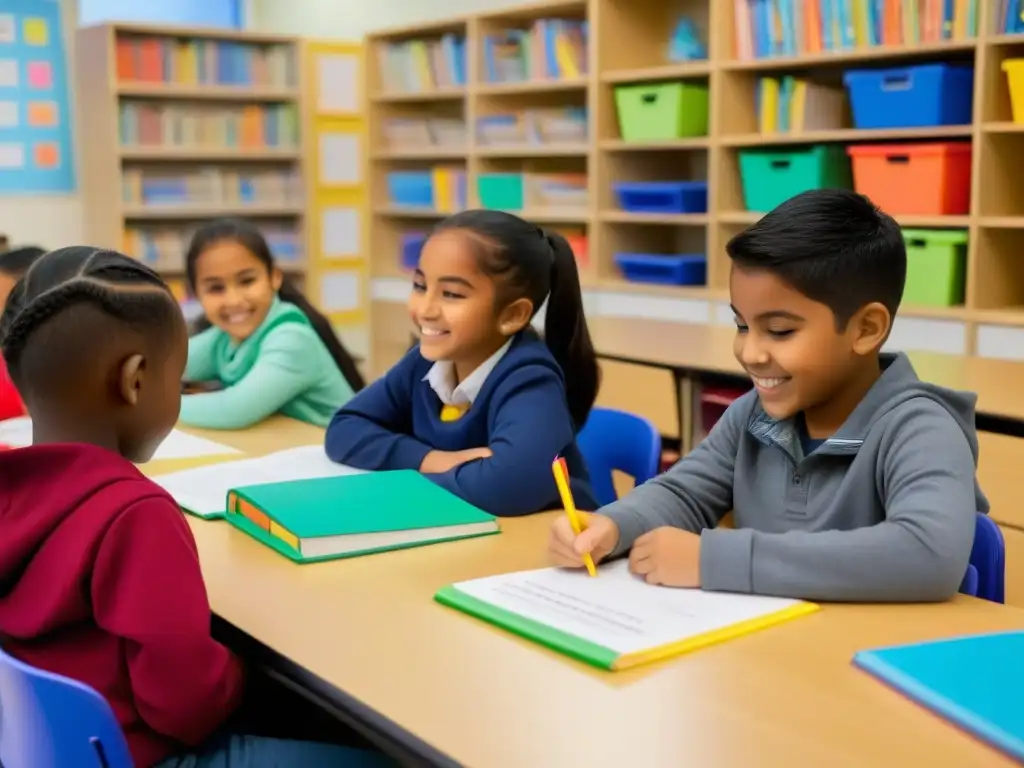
(99, 573)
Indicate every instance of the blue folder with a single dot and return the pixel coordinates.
(977, 682)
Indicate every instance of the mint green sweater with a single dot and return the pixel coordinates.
(282, 367)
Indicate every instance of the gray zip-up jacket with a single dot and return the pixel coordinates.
(883, 511)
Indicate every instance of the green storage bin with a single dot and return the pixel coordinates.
(772, 176)
(500, 191)
(936, 267)
(662, 111)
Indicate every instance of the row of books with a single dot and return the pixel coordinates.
(766, 28)
(163, 248)
(550, 49)
(409, 133)
(417, 66)
(1010, 18)
(550, 125)
(795, 104)
(246, 127)
(205, 62)
(210, 186)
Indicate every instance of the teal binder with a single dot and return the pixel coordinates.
(976, 682)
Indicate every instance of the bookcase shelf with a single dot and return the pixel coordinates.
(628, 44)
(184, 125)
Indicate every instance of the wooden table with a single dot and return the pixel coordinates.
(365, 636)
(685, 348)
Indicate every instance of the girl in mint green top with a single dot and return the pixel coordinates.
(265, 349)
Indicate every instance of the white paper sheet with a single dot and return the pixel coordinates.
(340, 159)
(17, 433)
(617, 610)
(339, 291)
(205, 489)
(338, 83)
(339, 234)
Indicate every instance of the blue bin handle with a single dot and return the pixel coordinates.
(897, 81)
(649, 98)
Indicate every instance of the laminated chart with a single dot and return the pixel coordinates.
(35, 119)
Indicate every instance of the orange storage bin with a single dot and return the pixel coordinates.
(915, 179)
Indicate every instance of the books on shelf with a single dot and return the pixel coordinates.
(549, 49)
(766, 28)
(449, 189)
(204, 62)
(552, 125)
(210, 186)
(256, 126)
(163, 248)
(794, 104)
(1010, 17)
(418, 66)
(417, 133)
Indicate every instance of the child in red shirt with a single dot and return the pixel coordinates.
(101, 574)
(13, 266)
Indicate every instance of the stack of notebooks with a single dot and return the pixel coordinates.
(307, 508)
(793, 104)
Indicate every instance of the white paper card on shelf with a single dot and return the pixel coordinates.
(9, 114)
(12, 156)
(618, 610)
(340, 233)
(17, 433)
(338, 83)
(340, 159)
(8, 73)
(340, 291)
(204, 490)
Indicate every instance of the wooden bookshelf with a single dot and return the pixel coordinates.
(181, 125)
(629, 44)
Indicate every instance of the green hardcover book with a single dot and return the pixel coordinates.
(332, 517)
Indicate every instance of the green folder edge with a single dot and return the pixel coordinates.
(555, 639)
(211, 516)
(244, 524)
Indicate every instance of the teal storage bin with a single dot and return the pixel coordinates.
(936, 267)
(500, 191)
(772, 176)
(662, 111)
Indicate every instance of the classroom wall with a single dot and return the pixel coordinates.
(351, 19)
(56, 219)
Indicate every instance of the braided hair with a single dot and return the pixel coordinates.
(16, 261)
(77, 277)
(250, 238)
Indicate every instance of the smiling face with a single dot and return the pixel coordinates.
(235, 288)
(796, 357)
(453, 304)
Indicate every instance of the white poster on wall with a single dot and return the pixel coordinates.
(339, 233)
(340, 159)
(340, 291)
(337, 83)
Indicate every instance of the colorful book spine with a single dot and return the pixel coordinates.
(267, 126)
(211, 186)
(417, 66)
(143, 59)
(793, 104)
(1010, 16)
(549, 49)
(163, 248)
(770, 28)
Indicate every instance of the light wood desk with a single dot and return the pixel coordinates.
(368, 631)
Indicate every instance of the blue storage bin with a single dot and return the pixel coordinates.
(412, 244)
(680, 269)
(662, 196)
(412, 188)
(911, 97)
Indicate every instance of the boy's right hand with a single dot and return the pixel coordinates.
(439, 462)
(566, 549)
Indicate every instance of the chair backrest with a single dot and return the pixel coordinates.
(616, 440)
(986, 573)
(49, 721)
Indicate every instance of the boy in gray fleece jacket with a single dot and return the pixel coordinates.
(849, 478)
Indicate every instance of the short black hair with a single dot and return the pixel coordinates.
(74, 299)
(832, 245)
(16, 261)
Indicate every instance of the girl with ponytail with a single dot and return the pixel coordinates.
(482, 405)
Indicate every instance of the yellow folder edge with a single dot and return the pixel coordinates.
(662, 652)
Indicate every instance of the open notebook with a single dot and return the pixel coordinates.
(203, 492)
(976, 682)
(331, 517)
(614, 620)
(17, 433)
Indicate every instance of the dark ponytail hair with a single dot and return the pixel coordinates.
(250, 238)
(527, 262)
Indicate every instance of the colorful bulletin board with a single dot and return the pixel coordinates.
(35, 116)
(337, 213)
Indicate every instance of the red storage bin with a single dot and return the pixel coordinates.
(915, 179)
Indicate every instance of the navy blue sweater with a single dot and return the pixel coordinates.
(520, 414)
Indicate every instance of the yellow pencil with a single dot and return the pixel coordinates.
(561, 472)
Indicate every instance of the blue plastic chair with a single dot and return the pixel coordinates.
(49, 721)
(616, 440)
(986, 572)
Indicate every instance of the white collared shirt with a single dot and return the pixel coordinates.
(441, 378)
